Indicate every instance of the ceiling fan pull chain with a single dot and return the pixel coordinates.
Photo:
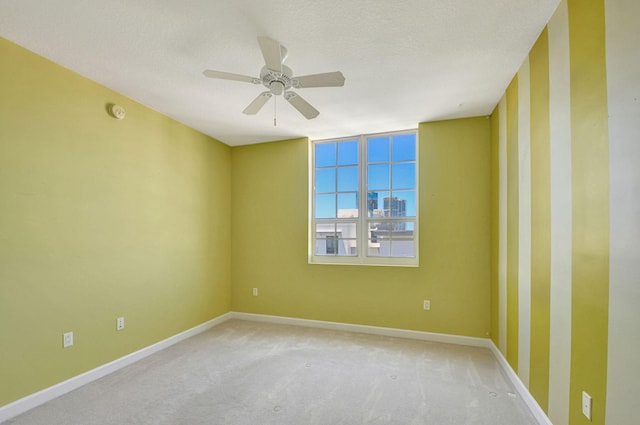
(275, 101)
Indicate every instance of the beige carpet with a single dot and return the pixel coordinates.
(250, 373)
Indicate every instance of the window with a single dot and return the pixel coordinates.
(364, 200)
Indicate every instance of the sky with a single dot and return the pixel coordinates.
(390, 171)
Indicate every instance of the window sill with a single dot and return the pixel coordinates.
(356, 261)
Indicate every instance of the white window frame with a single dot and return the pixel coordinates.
(362, 221)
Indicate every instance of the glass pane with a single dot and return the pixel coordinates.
(373, 250)
(346, 230)
(404, 147)
(348, 247)
(402, 248)
(378, 149)
(321, 247)
(325, 229)
(401, 230)
(347, 205)
(326, 206)
(402, 239)
(404, 175)
(378, 239)
(375, 203)
(327, 246)
(395, 207)
(326, 180)
(402, 204)
(325, 154)
(379, 244)
(379, 229)
(378, 177)
(348, 153)
(331, 246)
(325, 239)
(336, 239)
(347, 179)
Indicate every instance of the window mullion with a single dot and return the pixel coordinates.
(390, 180)
(335, 186)
(364, 193)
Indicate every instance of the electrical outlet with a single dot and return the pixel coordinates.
(426, 304)
(120, 323)
(255, 292)
(67, 339)
(586, 405)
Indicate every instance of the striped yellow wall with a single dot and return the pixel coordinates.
(540, 220)
(512, 223)
(590, 263)
(561, 216)
(571, 287)
(623, 94)
(495, 228)
(524, 220)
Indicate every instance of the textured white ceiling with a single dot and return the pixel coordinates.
(405, 61)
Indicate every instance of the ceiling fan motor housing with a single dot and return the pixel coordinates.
(277, 82)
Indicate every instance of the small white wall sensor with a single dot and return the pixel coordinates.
(117, 111)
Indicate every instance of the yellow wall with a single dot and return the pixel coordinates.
(269, 248)
(104, 218)
(100, 218)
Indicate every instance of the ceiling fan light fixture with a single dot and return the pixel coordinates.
(276, 87)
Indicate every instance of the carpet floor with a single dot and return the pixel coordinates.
(252, 373)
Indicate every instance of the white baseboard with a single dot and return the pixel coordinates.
(29, 402)
(375, 330)
(522, 390)
(17, 407)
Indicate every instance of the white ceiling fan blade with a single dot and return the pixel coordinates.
(257, 104)
(230, 76)
(274, 53)
(327, 79)
(301, 105)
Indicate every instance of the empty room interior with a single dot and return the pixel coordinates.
(159, 219)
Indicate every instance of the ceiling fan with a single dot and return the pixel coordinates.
(279, 80)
